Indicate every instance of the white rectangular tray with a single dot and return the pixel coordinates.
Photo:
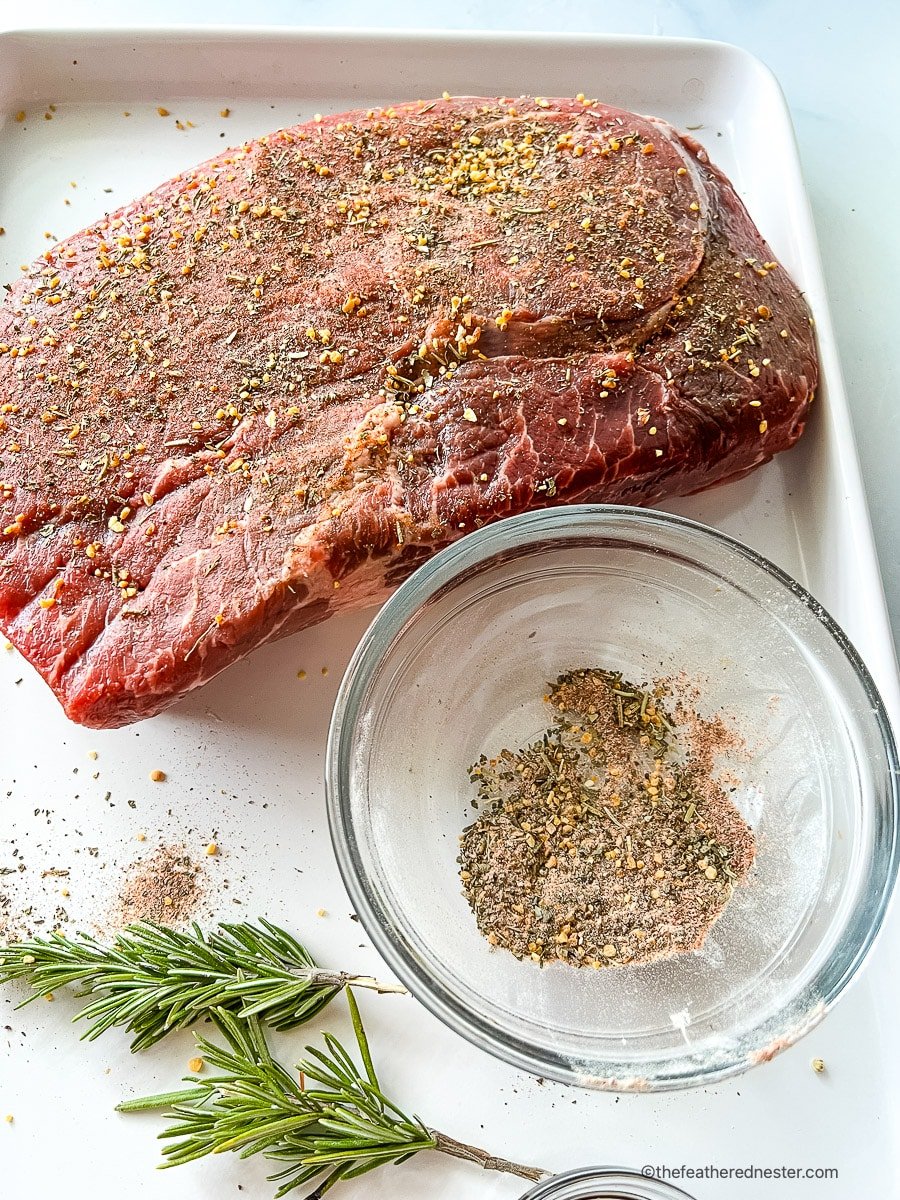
(244, 755)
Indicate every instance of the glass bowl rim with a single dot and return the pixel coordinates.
(515, 535)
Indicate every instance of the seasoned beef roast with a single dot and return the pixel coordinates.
(273, 386)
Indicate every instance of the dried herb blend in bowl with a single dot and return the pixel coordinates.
(608, 841)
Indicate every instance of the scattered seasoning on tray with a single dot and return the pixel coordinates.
(608, 841)
(165, 886)
(6, 929)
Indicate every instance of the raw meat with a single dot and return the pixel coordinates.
(272, 387)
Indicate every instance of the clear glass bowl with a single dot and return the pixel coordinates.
(455, 665)
(605, 1183)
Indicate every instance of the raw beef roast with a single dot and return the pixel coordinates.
(273, 386)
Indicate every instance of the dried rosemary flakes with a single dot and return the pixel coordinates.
(608, 841)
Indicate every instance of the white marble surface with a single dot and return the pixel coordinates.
(837, 65)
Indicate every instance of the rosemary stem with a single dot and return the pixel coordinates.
(341, 979)
(448, 1145)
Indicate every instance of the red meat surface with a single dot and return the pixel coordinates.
(270, 388)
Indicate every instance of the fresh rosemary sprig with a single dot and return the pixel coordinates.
(337, 1131)
(153, 979)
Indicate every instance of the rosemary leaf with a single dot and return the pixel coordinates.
(161, 1100)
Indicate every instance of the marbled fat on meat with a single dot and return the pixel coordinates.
(271, 387)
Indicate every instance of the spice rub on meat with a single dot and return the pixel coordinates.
(268, 389)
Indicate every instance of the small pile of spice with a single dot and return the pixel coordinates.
(165, 886)
(608, 841)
